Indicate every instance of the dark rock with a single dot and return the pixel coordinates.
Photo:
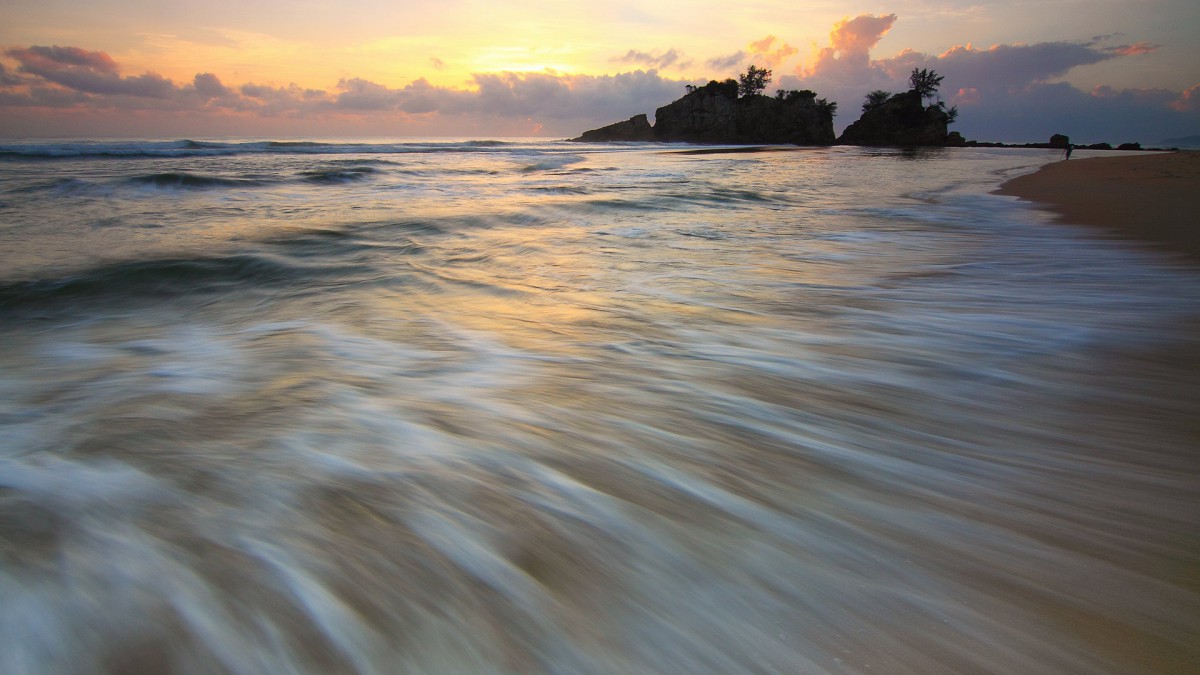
(1059, 141)
(903, 120)
(955, 140)
(636, 128)
(1099, 146)
(1130, 146)
(714, 114)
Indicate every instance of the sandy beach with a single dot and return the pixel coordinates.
(1153, 198)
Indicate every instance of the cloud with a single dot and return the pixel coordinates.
(437, 63)
(1005, 92)
(90, 72)
(725, 63)
(1189, 100)
(8, 79)
(68, 78)
(851, 40)
(1134, 49)
(763, 45)
(208, 86)
(40, 59)
(764, 56)
(650, 59)
(999, 66)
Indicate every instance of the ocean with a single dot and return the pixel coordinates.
(513, 406)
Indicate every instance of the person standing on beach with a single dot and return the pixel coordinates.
(1067, 152)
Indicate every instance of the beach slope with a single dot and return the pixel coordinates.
(1152, 197)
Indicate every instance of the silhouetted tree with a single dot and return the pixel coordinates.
(789, 95)
(754, 81)
(951, 112)
(827, 106)
(925, 82)
(875, 99)
(727, 89)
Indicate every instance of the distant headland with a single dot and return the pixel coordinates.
(736, 112)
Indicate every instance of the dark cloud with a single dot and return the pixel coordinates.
(364, 95)
(8, 79)
(725, 63)
(650, 59)
(38, 58)
(89, 72)
(561, 101)
(998, 67)
(48, 97)
(208, 86)
(1102, 115)
(1005, 92)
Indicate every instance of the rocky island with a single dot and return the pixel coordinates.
(731, 112)
(903, 119)
(735, 112)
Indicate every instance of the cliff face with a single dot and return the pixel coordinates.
(902, 120)
(715, 114)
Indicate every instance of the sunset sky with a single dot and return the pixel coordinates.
(1099, 70)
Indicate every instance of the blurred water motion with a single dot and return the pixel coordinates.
(558, 408)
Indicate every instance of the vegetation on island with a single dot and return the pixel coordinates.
(754, 81)
(925, 83)
(915, 117)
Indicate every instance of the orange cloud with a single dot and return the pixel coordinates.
(858, 35)
(1189, 100)
(764, 55)
(966, 96)
(1134, 49)
(850, 44)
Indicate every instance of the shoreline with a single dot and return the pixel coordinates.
(1153, 198)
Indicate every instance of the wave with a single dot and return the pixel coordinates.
(192, 148)
(184, 180)
(166, 278)
(337, 176)
(62, 187)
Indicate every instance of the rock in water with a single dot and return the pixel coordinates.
(714, 114)
(636, 128)
(902, 120)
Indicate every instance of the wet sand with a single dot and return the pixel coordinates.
(1152, 198)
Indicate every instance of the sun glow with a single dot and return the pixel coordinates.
(518, 60)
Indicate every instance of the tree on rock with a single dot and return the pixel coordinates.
(754, 81)
(925, 82)
(876, 99)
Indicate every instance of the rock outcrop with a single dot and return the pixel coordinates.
(902, 120)
(715, 114)
(636, 128)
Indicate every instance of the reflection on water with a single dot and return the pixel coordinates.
(540, 408)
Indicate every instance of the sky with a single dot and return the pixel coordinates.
(1018, 70)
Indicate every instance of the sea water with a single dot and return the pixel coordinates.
(459, 406)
